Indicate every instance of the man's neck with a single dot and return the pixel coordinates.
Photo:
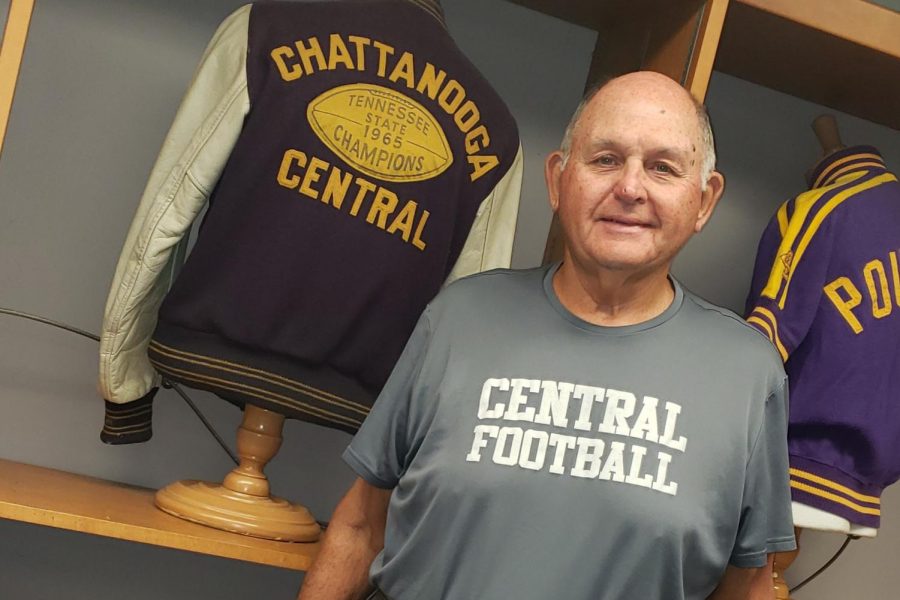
(613, 298)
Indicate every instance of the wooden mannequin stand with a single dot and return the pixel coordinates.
(826, 130)
(242, 503)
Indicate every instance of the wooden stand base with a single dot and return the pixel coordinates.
(216, 506)
(242, 503)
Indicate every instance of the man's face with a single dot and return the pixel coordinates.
(629, 196)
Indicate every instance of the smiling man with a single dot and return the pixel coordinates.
(589, 430)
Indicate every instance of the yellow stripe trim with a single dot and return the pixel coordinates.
(764, 325)
(240, 369)
(771, 317)
(826, 210)
(771, 334)
(258, 393)
(835, 486)
(802, 206)
(827, 172)
(851, 168)
(783, 219)
(835, 498)
(117, 417)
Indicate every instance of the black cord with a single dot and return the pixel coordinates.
(18, 313)
(96, 338)
(843, 547)
(168, 384)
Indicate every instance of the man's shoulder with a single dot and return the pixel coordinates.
(728, 331)
(486, 281)
(491, 289)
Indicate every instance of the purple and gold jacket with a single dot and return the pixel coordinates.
(826, 291)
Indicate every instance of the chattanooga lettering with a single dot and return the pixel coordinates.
(380, 132)
(579, 412)
(357, 53)
(319, 180)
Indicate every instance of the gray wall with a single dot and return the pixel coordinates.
(891, 4)
(100, 84)
(4, 10)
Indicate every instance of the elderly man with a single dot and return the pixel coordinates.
(589, 430)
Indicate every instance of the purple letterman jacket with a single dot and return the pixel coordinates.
(826, 291)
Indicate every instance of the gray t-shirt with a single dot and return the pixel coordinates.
(534, 455)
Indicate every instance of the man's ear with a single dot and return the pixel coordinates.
(553, 168)
(709, 198)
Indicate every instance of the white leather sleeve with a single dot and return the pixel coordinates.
(193, 155)
(490, 241)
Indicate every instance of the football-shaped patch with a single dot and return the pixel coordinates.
(380, 132)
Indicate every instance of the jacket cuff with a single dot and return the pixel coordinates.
(129, 423)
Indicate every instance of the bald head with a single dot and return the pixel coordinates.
(647, 84)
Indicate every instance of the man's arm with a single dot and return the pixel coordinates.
(354, 537)
(737, 584)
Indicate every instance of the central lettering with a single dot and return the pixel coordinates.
(378, 205)
(587, 409)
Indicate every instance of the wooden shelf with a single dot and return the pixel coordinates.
(844, 54)
(857, 21)
(67, 501)
(593, 14)
(607, 15)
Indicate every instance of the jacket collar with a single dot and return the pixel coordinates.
(432, 7)
(843, 162)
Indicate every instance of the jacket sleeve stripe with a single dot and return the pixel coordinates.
(795, 472)
(835, 498)
(767, 319)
